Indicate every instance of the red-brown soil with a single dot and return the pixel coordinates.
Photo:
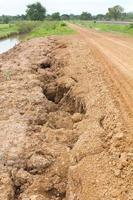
(66, 119)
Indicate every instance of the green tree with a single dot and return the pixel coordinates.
(115, 12)
(100, 17)
(55, 16)
(129, 15)
(65, 17)
(36, 11)
(5, 19)
(86, 16)
(74, 17)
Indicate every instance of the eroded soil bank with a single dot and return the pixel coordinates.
(62, 136)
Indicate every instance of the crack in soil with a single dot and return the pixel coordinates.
(63, 132)
(43, 167)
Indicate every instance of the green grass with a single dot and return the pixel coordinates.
(35, 29)
(7, 30)
(125, 29)
(48, 28)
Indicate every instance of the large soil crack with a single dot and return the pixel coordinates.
(44, 160)
(62, 137)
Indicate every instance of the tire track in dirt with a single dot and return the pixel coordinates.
(95, 153)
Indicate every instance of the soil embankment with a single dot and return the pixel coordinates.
(62, 135)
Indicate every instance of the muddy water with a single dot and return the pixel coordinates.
(8, 43)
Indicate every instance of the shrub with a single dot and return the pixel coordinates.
(26, 26)
(131, 26)
(63, 24)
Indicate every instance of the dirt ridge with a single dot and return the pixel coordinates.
(62, 135)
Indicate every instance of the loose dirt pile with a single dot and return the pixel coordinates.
(61, 133)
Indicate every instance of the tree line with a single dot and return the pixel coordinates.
(37, 11)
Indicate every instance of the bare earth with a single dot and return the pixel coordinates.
(66, 118)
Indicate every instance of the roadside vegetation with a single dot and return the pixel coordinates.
(125, 29)
(48, 28)
(35, 29)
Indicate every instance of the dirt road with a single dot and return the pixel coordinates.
(116, 54)
(65, 119)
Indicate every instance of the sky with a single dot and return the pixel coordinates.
(14, 7)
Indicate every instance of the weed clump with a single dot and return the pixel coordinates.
(131, 26)
(63, 24)
(27, 26)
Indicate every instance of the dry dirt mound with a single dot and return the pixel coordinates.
(39, 109)
(61, 134)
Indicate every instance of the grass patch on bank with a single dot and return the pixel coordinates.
(21, 27)
(125, 29)
(7, 30)
(48, 28)
(35, 29)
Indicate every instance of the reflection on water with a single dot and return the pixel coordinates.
(8, 43)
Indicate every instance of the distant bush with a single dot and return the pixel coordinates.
(131, 26)
(63, 24)
(26, 26)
